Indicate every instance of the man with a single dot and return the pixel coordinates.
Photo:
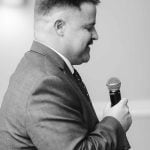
(47, 106)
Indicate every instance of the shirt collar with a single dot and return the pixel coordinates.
(68, 63)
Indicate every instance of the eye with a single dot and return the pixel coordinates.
(89, 28)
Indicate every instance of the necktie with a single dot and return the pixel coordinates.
(80, 83)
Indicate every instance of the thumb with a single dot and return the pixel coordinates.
(124, 101)
(108, 106)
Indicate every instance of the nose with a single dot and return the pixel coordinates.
(95, 35)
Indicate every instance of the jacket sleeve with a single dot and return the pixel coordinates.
(54, 121)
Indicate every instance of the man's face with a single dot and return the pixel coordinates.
(80, 33)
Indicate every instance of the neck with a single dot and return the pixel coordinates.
(50, 43)
(66, 60)
(54, 46)
(53, 42)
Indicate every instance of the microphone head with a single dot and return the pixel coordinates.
(113, 84)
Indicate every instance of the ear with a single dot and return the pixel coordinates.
(59, 27)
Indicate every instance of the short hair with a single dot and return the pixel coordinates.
(43, 7)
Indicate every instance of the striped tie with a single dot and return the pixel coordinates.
(80, 83)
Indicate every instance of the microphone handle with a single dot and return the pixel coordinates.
(115, 97)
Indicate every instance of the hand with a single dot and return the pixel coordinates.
(121, 112)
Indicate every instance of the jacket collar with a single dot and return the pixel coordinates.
(52, 55)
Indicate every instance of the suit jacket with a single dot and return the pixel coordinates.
(45, 109)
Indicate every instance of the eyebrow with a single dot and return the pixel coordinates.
(91, 24)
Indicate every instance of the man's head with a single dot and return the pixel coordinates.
(67, 26)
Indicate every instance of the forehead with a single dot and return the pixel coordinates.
(88, 12)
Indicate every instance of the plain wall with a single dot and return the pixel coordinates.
(123, 50)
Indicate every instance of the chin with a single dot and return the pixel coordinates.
(83, 59)
(86, 59)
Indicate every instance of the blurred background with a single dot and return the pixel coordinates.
(123, 50)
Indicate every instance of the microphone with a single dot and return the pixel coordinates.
(114, 85)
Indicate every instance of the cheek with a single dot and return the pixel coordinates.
(84, 40)
(87, 37)
(80, 40)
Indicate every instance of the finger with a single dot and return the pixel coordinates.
(108, 104)
(124, 101)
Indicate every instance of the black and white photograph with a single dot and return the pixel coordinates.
(74, 74)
